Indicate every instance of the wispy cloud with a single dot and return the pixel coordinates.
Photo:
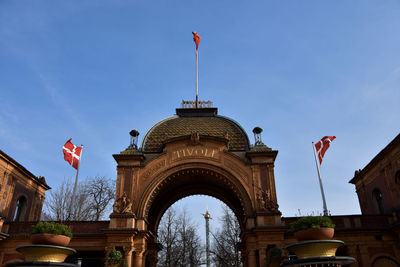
(383, 97)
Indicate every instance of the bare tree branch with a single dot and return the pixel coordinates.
(101, 192)
(224, 248)
(90, 203)
(182, 245)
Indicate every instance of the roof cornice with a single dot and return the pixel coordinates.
(395, 142)
(23, 170)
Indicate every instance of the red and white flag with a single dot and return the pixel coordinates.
(322, 146)
(196, 39)
(72, 153)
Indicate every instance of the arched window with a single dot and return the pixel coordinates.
(377, 196)
(20, 209)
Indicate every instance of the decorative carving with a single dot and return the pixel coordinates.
(139, 249)
(165, 137)
(265, 203)
(42, 179)
(108, 249)
(153, 169)
(261, 202)
(226, 136)
(237, 169)
(127, 250)
(195, 139)
(123, 205)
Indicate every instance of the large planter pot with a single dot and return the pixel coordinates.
(50, 239)
(48, 254)
(315, 234)
(314, 249)
(275, 262)
(114, 263)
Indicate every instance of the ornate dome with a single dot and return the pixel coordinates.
(205, 121)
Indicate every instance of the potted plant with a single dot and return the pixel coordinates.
(274, 257)
(50, 233)
(115, 258)
(313, 228)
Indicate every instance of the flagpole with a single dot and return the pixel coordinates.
(197, 76)
(76, 181)
(320, 182)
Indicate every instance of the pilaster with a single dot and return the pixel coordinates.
(140, 248)
(128, 255)
(252, 258)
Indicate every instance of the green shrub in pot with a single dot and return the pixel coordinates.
(51, 228)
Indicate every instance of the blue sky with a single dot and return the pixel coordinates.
(93, 70)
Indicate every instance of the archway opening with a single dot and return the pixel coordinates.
(191, 180)
(195, 181)
(183, 231)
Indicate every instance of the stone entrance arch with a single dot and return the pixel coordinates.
(190, 179)
(194, 152)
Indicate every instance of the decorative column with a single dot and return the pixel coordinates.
(128, 256)
(107, 251)
(244, 259)
(252, 259)
(138, 262)
(140, 249)
(262, 256)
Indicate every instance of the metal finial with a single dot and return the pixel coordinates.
(207, 215)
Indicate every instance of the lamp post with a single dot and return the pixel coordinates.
(207, 218)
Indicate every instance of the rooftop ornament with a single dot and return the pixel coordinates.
(196, 104)
(134, 139)
(257, 136)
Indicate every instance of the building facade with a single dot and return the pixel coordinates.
(378, 184)
(21, 192)
(21, 195)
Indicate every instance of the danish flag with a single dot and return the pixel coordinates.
(322, 146)
(196, 39)
(72, 153)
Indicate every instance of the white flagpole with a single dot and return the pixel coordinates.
(197, 77)
(320, 183)
(76, 182)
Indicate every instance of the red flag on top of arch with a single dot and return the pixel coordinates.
(72, 153)
(322, 146)
(196, 39)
